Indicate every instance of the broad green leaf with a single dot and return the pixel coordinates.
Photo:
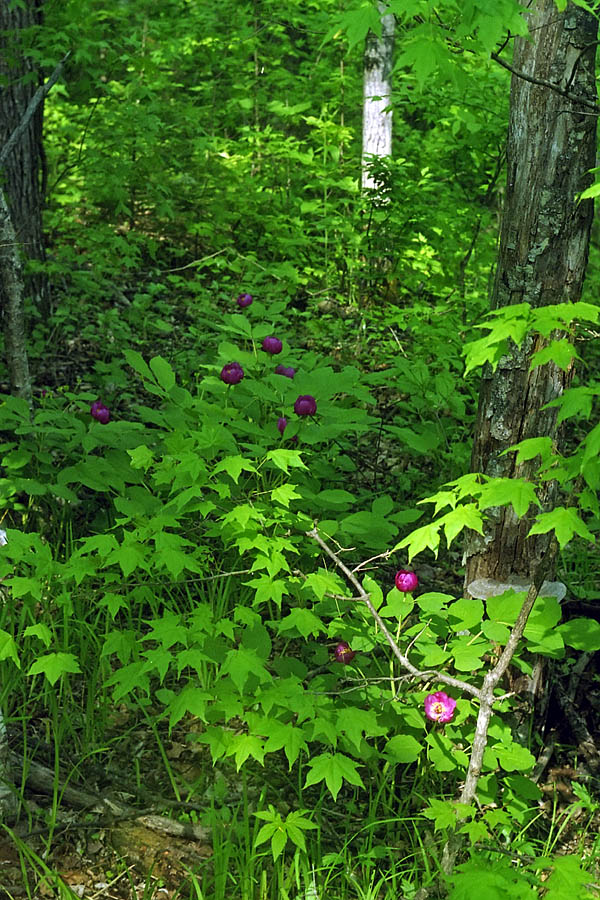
(333, 769)
(403, 748)
(582, 634)
(513, 757)
(562, 352)
(284, 735)
(464, 516)
(192, 700)
(530, 448)
(283, 459)
(502, 491)
(426, 537)
(357, 724)
(442, 753)
(8, 648)
(465, 614)
(234, 466)
(40, 631)
(163, 372)
(53, 665)
(565, 522)
(304, 621)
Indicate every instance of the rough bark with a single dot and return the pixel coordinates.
(377, 92)
(23, 171)
(542, 260)
(13, 306)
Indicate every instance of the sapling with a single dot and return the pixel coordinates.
(440, 706)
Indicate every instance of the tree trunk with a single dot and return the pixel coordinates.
(542, 259)
(23, 172)
(377, 95)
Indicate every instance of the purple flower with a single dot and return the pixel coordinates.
(305, 405)
(343, 653)
(100, 412)
(406, 581)
(232, 373)
(281, 424)
(285, 370)
(272, 345)
(244, 300)
(439, 707)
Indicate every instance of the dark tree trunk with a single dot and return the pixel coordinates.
(23, 172)
(542, 259)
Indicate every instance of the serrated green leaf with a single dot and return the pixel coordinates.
(426, 537)
(561, 352)
(565, 522)
(464, 516)
(53, 665)
(333, 769)
(502, 491)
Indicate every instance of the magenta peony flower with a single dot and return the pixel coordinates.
(272, 345)
(439, 707)
(100, 412)
(232, 373)
(285, 370)
(281, 424)
(305, 405)
(406, 581)
(244, 300)
(343, 653)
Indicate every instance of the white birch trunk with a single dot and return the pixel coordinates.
(377, 94)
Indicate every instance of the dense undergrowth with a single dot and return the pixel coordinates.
(168, 629)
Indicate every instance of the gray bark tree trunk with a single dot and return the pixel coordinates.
(377, 94)
(23, 172)
(542, 260)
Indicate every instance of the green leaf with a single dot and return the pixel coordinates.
(565, 522)
(8, 648)
(234, 466)
(561, 352)
(464, 516)
(502, 491)
(426, 537)
(283, 459)
(357, 724)
(284, 494)
(53, 665)
(514, 757)
(284, 735)
(138, 363)
(303, 621)
(403, 748)
(40, 631)
(333, 769)
(443, 755)
(465, 614)
(582, 634)
(163, 373)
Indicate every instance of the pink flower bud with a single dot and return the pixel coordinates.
(343, 653)
(281, 424)
(272, 345)
(406, 581)
(285, 370)
(439, 707)
(232, 373)
(100, 412)
(305, 405)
